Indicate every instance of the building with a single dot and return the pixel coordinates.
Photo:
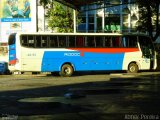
(111, 17)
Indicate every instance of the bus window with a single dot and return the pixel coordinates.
(90, 42)
(11, 40)
(71, 41)
(24, 41)
(146, 46)
(108, 42)
(44, 41)
(99, 41)
(62, 41)
(129, 41)
(79, 41)
(53, 41)
(38, 41)
(116, 41)
(31, 41)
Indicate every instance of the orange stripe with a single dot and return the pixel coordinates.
(106, 50)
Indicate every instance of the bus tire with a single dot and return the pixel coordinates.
(133, 68)
(66, 70)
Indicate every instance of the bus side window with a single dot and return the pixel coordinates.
(124, 41)
(71, 41)
(44, 41)
(79, 41)
(38, 41)
(116, 41)
(108, 42)
(53, 41)
(62, 41)
(99, 41)
(90, 42)
(11, 39)
(130, 41)
(31, 41)
(24, 41)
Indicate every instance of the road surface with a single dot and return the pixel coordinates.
(91, 96)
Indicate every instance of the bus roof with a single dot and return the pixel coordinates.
(88, 34)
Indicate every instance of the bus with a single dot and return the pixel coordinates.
(66, 53)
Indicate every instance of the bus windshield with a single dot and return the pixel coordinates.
(11, 39)
(146, 46)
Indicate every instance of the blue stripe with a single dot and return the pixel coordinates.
(12, 52)
(52, 61)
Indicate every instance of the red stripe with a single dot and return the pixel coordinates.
(12, 62)
(106, 50)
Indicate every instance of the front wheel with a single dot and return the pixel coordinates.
(133, 68)
(66, 70)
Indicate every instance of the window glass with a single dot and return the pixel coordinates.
(129, 41)
(90, 41)
(91, 19)
(12, 39)
(99, 41)
(31, 41)
(116, 41)
(53, 41)
(79, 41)
(62, 41)
(108, 42)
(44, 41)
(71, 41)
(146, 46)
(38, 41)
(24, 40)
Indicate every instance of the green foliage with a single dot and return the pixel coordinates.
(60, 17)
(44, 2)
(149, 17)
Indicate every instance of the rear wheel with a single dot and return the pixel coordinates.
(66, 70)
(133, 68)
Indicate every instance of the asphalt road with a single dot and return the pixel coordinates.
(91, 96)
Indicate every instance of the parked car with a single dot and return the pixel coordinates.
(4, 68)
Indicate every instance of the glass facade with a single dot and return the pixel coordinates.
(108, 17)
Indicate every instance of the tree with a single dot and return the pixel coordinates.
(45, 2)
(149, 17)
(60, 17)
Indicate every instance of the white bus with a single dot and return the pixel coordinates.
(66, 53)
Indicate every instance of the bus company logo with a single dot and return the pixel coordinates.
(72, 54)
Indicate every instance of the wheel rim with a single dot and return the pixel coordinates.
(67, 70)
(132, 69)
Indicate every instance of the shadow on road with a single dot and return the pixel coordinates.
(93, 100)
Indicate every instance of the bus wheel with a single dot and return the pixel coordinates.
(66, 70)
(133, 68)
